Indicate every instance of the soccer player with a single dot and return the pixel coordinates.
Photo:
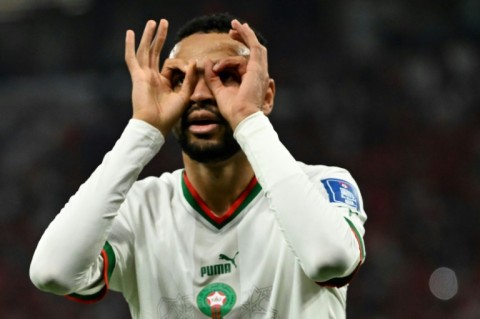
(242, 231)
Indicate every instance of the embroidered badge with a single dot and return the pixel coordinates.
(216, 300)
(342, 192)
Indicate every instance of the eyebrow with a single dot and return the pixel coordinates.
(174, 64)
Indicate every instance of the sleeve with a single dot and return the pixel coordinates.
(326, 244)
(73, 256)
(340, 189)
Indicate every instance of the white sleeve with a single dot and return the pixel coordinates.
(316, 231)
(66, 259)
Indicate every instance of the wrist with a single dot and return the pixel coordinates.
(257, 117)
(151, 125)
(164, 129)
(240, 118)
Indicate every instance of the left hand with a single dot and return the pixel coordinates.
(237, 103)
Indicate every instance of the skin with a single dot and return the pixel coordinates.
(226, 72)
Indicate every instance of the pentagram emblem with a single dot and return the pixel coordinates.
(216, 300)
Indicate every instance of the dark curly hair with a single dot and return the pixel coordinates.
(213, 23)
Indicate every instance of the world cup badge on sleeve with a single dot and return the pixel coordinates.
(342, 192)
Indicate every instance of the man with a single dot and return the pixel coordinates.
(207, 241)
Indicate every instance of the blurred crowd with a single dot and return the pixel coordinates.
(388, 89)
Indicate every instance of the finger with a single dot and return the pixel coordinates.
(236, 36)
(245, 34)
(234, 33)
(239, 32)
(166, 73)
(130, 57)
(211, 78)
(190, 79)
(144, 46)
(238, 63)
(158, 43)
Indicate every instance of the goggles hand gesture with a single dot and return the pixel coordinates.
(153, 98)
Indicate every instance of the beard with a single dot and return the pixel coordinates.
(206, 152)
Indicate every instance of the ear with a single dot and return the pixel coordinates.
(269, 97)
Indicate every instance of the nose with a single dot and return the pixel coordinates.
(201, 92)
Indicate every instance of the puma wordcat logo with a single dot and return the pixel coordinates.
(219, 269)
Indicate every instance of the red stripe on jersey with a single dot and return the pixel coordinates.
(99, 295)
(231, 210)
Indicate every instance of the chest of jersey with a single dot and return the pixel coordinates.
(186, 265)
(193, 265)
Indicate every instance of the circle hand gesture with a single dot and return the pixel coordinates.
(256, 91)
(153, 98)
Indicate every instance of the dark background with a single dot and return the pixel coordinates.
(388, 89)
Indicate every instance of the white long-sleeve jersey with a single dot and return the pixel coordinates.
(286, 248)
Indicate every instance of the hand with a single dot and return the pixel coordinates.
(256, 89)
(153, 98)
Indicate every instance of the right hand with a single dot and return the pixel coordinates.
(153, 98)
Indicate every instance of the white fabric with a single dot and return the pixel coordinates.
(64, 259)
(324, 236)
(287, 237)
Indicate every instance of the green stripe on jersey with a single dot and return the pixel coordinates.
(111, 259)
(110, 262)
(359, 238)
(195, 205)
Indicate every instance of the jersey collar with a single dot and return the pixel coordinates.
(197, 203)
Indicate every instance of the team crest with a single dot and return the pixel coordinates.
(216, 300)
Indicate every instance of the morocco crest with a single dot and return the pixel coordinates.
(216, 300)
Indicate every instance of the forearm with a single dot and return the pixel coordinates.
(73, 241)
(314, 229)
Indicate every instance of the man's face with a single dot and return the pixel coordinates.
(203, 133)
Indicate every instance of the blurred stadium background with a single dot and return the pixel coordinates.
(388, 89)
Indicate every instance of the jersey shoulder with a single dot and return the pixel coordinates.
(314, 172)
(151, 196)
(337, 185)
(167, 182)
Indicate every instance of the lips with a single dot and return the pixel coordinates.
(202, 122)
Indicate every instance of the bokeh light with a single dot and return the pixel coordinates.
(443, 283)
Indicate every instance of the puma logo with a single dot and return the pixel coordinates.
(219, 269)
(232, 260)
